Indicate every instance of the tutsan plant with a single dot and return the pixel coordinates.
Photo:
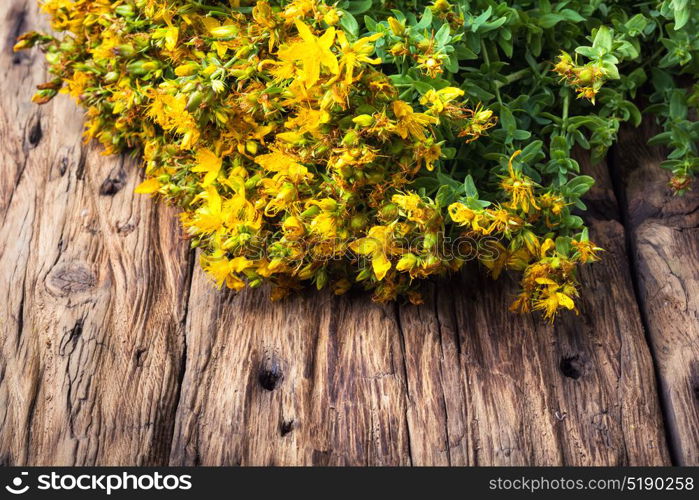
(378, 141)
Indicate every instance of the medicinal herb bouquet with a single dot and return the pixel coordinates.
(377, 142)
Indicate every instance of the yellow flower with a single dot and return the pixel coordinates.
(299, 8)
(413, 207)
(407, 262)
(553, 202)
(308, 120)
(353, 54)
(551, 298)
(286, 194)
(186, 69)
(293, 227)
(586, 251)
(376, 245)
(502, 221)
(431, 64)
(519, 187)
(210, 217)
(286, 166)
(481, 120)
(76, 85)
(461, 214)
(223, 270)
(427, 152)
(209, 163)
(409, 123)
(170, 35)
(324, 225)
(331, 17)
(438, 100)
(313, 52)
(171, 113)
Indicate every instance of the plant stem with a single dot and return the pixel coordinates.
(566, 105)
(486, 58)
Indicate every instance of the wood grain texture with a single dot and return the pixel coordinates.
(315, 379)
(94, 284)
(116, 349)
(664, 233)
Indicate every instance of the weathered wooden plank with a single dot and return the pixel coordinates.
(94, 282)
(94, 339)
(511, 391)
(458, 380)
(314, 379)
(664, 232)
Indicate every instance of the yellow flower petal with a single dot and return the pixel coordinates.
(210, 163)
(148, 186)
(565, 301)
(381, 265)
(364, 246)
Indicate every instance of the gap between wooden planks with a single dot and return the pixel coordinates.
(115, 349)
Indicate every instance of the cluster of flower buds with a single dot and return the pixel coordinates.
(290, 151)
(587, 79)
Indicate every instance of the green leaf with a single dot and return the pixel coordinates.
(470, 187)
(678, 106)
(428, 183)
(452, 64)
(446, 195)
(370, 24)
(603, 39)
(586, 51)
(477, 22)
(681, 18)
(425, 20)
(507, 120)
(572, 16)
(448, 180)
(550, 20)
(422, 87)
(464, 53)
(442, 36)
(531, 151)
(636, 24)
(521, 135)
(349, 23)
(580, 185)
(359, 6)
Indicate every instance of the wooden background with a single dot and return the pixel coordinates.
(115, 349)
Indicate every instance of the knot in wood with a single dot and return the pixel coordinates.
(271, 373)
(574, 366)
(113, 183)
(70, 278)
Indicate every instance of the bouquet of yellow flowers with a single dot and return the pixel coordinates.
(371, 142)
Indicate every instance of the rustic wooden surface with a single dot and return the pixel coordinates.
(115, 349)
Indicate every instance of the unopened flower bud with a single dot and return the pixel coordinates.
(389, 211)
(332, 17)
(187, 69)
(397, 27)
(351, 138)
(125, 10)
(363, 120)
(223, 32)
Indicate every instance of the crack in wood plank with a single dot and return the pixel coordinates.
(662, 243)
